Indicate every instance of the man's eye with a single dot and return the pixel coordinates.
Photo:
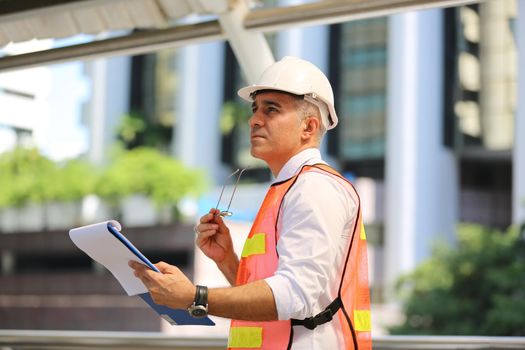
(271, 109)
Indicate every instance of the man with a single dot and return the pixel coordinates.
(301, 281)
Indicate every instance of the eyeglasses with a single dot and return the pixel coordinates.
(227, 212)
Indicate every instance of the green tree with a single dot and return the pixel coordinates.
(474, 288)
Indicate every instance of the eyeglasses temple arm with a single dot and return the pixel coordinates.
(224, 186)
(235, 188)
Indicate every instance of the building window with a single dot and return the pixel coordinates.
(152, 90)
(481, 73)
(359, 57)
(480, 103)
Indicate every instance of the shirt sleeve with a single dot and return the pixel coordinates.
(314, 217)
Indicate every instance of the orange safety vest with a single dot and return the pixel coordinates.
(260, 258)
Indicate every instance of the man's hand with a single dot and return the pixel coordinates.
(214, 239)
(169, 288)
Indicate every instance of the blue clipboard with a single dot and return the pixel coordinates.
(173, 316)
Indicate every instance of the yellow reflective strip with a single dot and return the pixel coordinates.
(362, 235)
(254, 245)
(362, 320)
(245, 337)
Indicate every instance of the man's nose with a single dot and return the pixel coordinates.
(255, 120)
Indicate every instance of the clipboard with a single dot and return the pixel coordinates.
(104, 243)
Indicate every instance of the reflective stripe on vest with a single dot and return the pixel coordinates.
(245, 337)
(254, 245)
(259, 260)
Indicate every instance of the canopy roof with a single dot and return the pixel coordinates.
(139, 26)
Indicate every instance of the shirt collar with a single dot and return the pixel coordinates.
(293, 165)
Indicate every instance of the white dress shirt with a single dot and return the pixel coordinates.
(315, 220)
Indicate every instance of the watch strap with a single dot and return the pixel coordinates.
(201, 295)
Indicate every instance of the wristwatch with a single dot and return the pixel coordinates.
(199, 308)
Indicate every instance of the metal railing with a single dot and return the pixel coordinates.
(81, 340)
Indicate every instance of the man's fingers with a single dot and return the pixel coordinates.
(208, 217)
(219, 220)
(203, 236)
(206, 227)
(138, 267)
(166, 268)
(207, 233)
(141, 271)
(162, 265)
(221, 224)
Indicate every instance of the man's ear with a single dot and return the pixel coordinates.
(308, 126)
(311, 125)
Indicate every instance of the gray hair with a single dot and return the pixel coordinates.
(307, 109)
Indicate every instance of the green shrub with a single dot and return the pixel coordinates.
(28, 177)
(474, 288)
(73, 180)
(147, 171)
(24, 177)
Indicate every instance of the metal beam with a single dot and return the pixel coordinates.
(93, 340)
(262, 20)
(330, 12)
(132, 44)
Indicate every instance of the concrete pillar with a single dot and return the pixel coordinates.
(518, 165)
(421, 174)
(110, 79)
(498, 74)
(197, 140)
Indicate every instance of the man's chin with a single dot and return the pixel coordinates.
(256, 154)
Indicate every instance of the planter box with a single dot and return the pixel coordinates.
(63, 215)
(29, 218)
(138, 210)
(95, 210)
(135, 211)
(8, 220)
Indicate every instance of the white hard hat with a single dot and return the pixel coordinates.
(299, 77)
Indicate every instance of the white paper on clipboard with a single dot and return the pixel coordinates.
(102, 246)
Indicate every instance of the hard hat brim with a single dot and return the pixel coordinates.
(246, 92)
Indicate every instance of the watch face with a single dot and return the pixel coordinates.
(199, 311)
